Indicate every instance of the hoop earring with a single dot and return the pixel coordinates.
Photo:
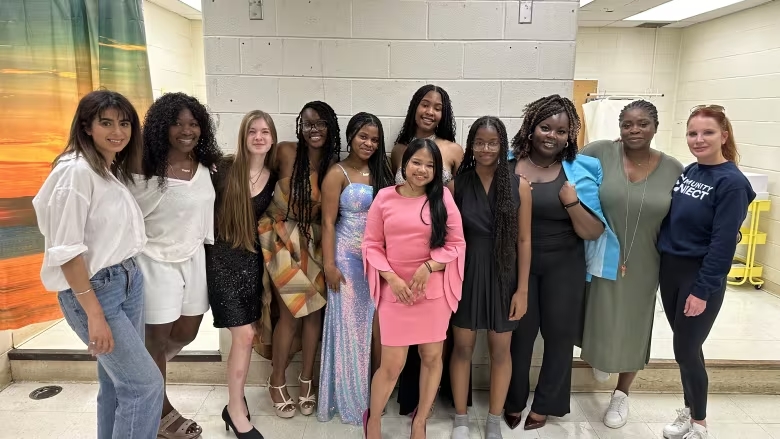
(530, 137)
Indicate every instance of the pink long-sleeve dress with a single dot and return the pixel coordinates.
(397, 239)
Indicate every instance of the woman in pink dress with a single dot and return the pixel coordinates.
(414, 255)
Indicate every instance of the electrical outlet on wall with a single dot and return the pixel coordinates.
(255, 9)
(526, 12)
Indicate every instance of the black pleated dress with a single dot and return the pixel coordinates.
(483, 305)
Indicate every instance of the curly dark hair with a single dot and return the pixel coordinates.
(300, 185)
(505, 210)
(640, 105)
(446, 127)
(378, 163)
(434, 191)
(159, 118)
(535, 113)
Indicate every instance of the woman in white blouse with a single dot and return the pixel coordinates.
(93, 229)
(176, 197)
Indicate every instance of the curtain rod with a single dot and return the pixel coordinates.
(623, 95)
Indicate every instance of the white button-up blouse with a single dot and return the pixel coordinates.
(81, 213)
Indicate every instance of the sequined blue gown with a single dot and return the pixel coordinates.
(346, 340)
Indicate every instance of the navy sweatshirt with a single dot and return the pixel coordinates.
(709, 204)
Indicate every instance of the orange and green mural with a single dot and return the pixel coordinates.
(52, 52)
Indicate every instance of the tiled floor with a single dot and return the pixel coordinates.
(71, 414)
(747, 328)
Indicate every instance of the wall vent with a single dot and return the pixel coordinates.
(654, 25)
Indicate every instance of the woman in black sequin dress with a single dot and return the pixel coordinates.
(234, 267)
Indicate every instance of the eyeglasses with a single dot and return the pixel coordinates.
(718, 108)
(320, 125)
(482, 146)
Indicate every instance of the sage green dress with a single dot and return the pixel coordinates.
(618, 321)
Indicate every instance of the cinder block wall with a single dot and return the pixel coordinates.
(371, 55)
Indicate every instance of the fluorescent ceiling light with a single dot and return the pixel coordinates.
(584, 2)
(677, 10)
(194, 4)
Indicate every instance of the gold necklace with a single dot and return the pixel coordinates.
(363, 173)
(256, 179)
(538, 166)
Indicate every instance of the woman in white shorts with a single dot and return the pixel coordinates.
(176, 197)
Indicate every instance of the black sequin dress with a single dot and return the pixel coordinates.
(234, 275)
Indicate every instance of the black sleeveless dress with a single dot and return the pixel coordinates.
(483, 304)
(235, 275)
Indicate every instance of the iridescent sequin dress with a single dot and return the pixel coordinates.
(346, 340)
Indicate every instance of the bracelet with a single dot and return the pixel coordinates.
(567, 206)
(428, 266)
(82, 293)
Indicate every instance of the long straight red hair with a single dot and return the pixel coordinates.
(729, 149)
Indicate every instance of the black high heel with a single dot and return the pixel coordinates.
(248, 416)
(251, 434)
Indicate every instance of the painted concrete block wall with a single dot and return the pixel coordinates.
(175, 48)
(734, 61)
(632, 60)
(6, 344)
(371, 55)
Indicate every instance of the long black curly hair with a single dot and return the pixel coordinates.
(378, 163)
(300, 185)
(446, 127)
(434, 191)
(535, 113)
(505, 210)
(159, 118)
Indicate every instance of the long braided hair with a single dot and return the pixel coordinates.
(446, 127)
(535, 113)
(378, 164)
(300, 184)
(643, 105)
(505, 210)
(159, 118)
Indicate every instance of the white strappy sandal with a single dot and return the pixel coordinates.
(307, 403)
(286, 408)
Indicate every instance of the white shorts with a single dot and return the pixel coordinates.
(174, 289)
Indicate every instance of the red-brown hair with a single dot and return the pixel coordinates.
(728, 149)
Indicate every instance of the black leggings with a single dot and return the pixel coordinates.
(556, 291)
(678, 275)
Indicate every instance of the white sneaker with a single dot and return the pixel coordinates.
(617, 413)
(600, 375)
(681, 426)
(698, 431)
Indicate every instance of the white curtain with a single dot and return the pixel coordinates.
(601, 119)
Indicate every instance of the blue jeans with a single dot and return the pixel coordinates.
(130, 399)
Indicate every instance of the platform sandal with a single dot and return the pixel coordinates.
(286, 408)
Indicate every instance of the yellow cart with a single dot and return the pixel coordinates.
(745, 269)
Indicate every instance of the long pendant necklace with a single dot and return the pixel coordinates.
(627, 252)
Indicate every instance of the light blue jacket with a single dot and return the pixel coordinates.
(602, 255)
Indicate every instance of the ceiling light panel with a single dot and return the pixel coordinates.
(677, 10)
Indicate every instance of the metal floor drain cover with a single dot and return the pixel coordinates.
(45, 392)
